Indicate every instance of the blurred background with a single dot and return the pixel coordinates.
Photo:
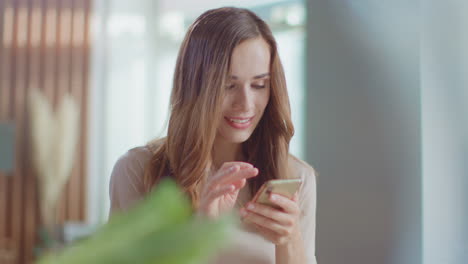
(379, 96)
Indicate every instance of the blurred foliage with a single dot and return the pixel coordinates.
(161, 229)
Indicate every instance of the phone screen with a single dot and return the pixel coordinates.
(284, 187)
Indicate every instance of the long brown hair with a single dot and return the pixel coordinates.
(195, 105)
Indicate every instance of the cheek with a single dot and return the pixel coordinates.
(225, 105)
(263, 100)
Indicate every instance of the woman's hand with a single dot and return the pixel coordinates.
(280, 226)
(220, 192)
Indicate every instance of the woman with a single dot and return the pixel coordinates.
(229, 132)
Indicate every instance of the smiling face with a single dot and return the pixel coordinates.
(247, 90)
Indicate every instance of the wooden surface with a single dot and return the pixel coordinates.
(44, 45)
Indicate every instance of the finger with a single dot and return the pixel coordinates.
(235, 175)
(271, 213)
(265, 222)
(288, 205)
(296, 197)
(220, 191)
(223, 172)
(239, 184)
(268, 234)
(230, 165)
(239, 176)
(241, 164)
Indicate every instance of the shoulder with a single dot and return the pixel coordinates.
(130, 167)
(308, 191)
(301, 169)
(307, 203)
(126, 182)
(141, 152)
(154, 145)
(134, 158)
(139, 156)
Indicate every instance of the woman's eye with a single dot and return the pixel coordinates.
(258, 86)
(230, 86)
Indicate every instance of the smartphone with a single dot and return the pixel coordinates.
(285, 187)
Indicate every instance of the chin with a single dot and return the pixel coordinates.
(237, 137)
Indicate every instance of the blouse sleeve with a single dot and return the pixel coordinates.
(126, 182)
(308, 204)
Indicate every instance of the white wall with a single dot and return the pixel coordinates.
(388, 119)
(364, 130)
(444, 97)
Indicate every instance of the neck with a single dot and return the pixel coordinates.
(224, 151)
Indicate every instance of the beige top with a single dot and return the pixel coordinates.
(126, 188)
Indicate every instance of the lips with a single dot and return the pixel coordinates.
(239, 122)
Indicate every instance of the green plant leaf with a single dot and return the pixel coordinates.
(161, 229)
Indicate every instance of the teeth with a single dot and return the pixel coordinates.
(239, 121)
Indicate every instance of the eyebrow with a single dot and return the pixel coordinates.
(260, 76)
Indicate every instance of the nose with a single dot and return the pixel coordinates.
(243, 99)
